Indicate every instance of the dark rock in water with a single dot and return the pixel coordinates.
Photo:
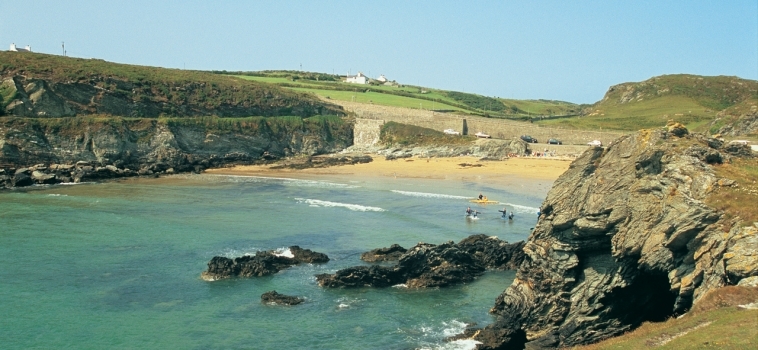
(362, 276)
(428, 265)
(22, 178)
(261, 264)
(494, 253)
(626, 236)
(307, 256)
(393, 253)
(273, 297)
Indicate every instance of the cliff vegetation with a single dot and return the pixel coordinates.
(702, 103)
(40, 85)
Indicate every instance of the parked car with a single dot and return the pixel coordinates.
(528, 138)
(595, 143)
(451, 132)
(554, 142)
(482, 135)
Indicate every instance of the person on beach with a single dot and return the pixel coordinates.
(480, 196)
(469, 211)
(503, 211)
(510, 215)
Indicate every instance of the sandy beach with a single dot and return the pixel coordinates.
(527, 175)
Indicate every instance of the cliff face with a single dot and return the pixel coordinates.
(30, 97)
(40, 85)
(148, 146)
(625, 236)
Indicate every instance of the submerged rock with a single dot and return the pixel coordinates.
(429, 265)
(272, 297)
(261, 264)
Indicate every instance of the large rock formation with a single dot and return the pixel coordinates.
(429, 265)
(261, 264)
(625, 236)
(91, 148)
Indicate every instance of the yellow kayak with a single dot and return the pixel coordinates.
(483, 201)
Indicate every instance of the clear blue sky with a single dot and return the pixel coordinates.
(562, 50)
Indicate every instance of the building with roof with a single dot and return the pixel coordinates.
(18, 49)
(359, 78)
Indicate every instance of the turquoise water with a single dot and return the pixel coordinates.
(117, 264)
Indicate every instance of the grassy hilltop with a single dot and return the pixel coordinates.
(695, 101)
(409, 96)
(87, 86)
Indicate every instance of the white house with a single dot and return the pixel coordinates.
(357, 79)
(17, 49)
(381, 79)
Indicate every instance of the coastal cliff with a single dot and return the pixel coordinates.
(53, 150)
(630, 233)
(48, 86)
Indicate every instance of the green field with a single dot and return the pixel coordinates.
(409, 96)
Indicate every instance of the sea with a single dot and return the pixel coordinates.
(117, 264)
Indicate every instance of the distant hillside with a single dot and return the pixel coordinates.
(399, 95)
(40, 85)
(696, 101)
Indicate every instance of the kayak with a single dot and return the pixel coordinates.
(483, 201)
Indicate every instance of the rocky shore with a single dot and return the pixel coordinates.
(626, 235)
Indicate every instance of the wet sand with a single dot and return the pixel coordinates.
(527, 175)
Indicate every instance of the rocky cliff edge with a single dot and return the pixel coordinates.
(626, 236)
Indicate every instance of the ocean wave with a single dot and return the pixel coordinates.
(428, 195)
(57, 195)
(522, 209)
(283, 180)
(434, 337)
(353, 207)
(347, 303)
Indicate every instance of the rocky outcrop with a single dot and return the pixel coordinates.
(626, 236)
(261, 264)
(272, 297)
(428, 265)
(79, 149)
(393, 253)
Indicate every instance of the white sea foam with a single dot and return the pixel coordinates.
(401, 285)
(353, 207)
(57, 195)
(235, 253)
(428, 195)
(282, 180)
(521, 209)
(446, 330)
(346, 303)
(285, 252)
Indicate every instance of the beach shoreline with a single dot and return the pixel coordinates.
(523, 175)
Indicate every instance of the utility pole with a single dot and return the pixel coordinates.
(63, 47)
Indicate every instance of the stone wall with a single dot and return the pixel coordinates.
(497, 128)
(366, 131)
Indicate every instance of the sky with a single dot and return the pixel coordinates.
(558, 50)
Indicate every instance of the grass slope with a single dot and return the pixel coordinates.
(158, 85)
(409, 96)
(689, 99)
(716, 322)
(393, 133)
